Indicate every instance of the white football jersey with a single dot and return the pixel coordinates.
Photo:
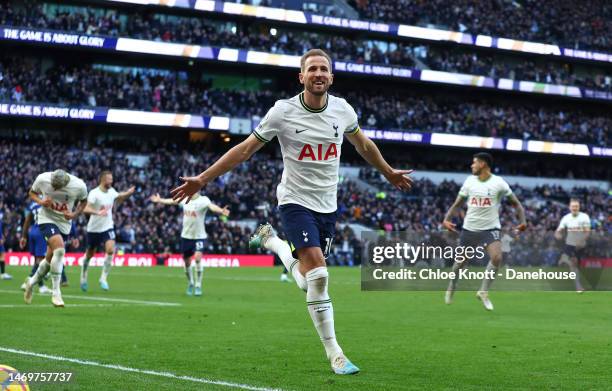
(577, 228)
(63, 200)
(310, 142)
(194, 214)
(483, 201)
(101, 200)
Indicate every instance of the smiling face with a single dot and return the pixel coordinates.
(316, 75)
(574, 207)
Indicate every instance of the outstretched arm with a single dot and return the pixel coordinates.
(125, 195)
(238, 154)
(220, 211)
(155, 198)
(520, 211)
(447, 223)
(370, 152)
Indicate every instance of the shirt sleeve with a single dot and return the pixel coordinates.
(270, 125)
(465, 189)
(82, 192)
(91, 198)
(506, 191)
(352, 120)
(37, 183)
(562, 224)
(205, 203)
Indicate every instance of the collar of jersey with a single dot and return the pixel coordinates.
(310, 109)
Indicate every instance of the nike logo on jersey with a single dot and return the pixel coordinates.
(321, 309)
(300, 131)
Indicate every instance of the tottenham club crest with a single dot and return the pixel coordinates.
(335, 130)
(305, 236)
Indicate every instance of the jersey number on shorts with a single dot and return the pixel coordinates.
(328, 244)
(495, 235)
(111, 235)
(199, 246)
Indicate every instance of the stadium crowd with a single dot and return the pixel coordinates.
(583, 25)
(200, 31)
(153, 166)
(27, 80)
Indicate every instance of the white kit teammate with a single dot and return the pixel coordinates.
(100, 228)
(193, 236)
(310, 128)
(57, 192)
(483, 192)
(577, 227)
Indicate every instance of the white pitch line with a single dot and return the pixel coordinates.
(50, 306)
(110, 299)
(136, 370)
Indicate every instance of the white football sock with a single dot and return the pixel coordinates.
(199, 267)
(41, 272)
(282, 249)
(108, 261)
(192, 272)
(452, 285)
(57, 264)
(84, 268)
(486, 282)
(575, 269)
(321, 310)
(187, 267)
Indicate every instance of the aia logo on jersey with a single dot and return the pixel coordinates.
(481, 202)
(59, 207)
(190, 213)
(318, 152)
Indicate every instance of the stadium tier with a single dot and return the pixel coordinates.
(165, 34)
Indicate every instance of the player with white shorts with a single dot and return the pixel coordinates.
(310, 128)
(484, 193)
(57, 192)
(576, 226)
(101, 228)
(193, 236)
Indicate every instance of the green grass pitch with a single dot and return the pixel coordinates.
(250, 329)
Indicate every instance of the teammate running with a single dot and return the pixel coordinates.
(100, 228)
(577, 227)
(193, 236)
(484, 192)
(57, 192)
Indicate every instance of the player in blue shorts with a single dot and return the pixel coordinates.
(33, 239)
(101, 227)
(193, 236)
(310, 128)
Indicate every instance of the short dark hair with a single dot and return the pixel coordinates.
(312, 53)
(485, 157)
(103, 174)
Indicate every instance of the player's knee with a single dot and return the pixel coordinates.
(496, 259)
(318, 274)
(59, 252)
